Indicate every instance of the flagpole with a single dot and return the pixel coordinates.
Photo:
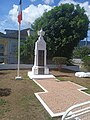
(18, 50)
(18, 70)
(19, 28)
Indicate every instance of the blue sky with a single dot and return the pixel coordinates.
(31, 9)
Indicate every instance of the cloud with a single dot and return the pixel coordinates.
(67, 1)
(85, 5)
(2, 23)
(13, 13)
(33, 12)
(7, 23)
(48, 1)
(29, 14)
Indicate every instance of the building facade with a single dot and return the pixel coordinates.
(9, 43)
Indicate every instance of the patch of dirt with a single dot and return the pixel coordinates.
(5, 91)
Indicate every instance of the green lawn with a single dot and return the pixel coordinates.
(21, 104)
(70, 76)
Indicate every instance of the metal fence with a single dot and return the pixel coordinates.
(78, 112)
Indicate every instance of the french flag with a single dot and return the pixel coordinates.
(20, 12)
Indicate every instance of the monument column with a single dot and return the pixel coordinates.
(40, 56)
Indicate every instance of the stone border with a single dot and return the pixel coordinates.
(30, 74)
(44, 104)
(45, 91)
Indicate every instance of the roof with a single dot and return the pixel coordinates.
(14, 33)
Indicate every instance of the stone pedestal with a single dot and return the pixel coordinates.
(40, 70)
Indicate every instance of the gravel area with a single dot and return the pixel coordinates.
(61, 95)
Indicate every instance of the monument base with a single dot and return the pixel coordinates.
(40, 70)
(32, 76)
(18, 78)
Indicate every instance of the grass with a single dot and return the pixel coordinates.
(4, 107)
(22, 104)
(81, 81)
(2, 102)
(87, 91)
(70, 76)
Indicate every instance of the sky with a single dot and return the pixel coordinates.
(31, 10)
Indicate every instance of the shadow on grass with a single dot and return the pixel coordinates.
(1, 73)
(62, 76)
(67, 71)
(64, 70)
(87, 91)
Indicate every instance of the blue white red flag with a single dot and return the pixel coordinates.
(20, 12)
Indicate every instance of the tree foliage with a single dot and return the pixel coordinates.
(64, 26)
(86, 62)
(27, 50)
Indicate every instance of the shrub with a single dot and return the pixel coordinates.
(86, 62)
(59, 61)
(81, 52)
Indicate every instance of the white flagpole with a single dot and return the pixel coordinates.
(18, 71)
(18, 49)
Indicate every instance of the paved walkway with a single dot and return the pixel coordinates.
(58, 96)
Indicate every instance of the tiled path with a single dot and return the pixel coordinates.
(58, 96)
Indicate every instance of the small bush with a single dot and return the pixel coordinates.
(86, 62)
(59, 61)
(80, 52)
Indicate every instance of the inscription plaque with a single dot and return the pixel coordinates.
(40, 57)
(41, 61)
